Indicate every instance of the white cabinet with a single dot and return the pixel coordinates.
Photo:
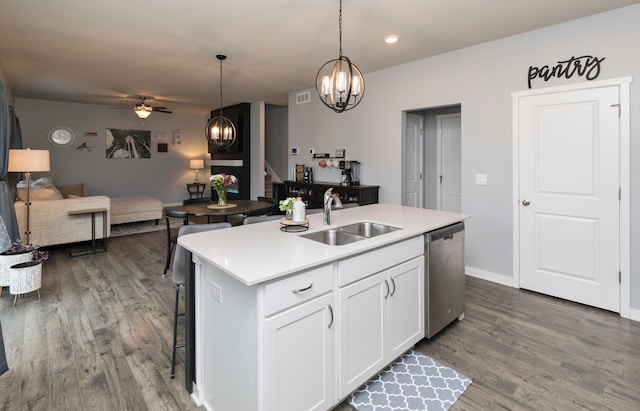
(306, 340)
(299, 353)
(382, 316)
(299, 357)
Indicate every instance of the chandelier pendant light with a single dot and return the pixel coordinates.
(221, 131)
(339, 82)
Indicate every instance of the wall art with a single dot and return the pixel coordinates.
(128, 143)
(583, 66)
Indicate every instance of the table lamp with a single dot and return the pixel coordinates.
(196, 165)
(28, 161)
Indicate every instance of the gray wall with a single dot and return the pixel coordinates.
(481, 79)
(276, 139)
(163, 176)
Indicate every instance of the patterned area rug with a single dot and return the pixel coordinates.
(414, 382)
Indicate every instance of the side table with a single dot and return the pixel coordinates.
(8, 259)
(25, 278)
(196, 190)
(94, 249)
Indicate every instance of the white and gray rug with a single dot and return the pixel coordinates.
(414, 382)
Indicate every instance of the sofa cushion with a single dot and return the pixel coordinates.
(78, 190)
(39, 193)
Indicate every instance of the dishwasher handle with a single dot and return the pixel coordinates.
(444, 232)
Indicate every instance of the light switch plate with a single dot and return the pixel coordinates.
(481, 179)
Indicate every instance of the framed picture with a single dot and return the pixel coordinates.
(128, 143)
(299, 172)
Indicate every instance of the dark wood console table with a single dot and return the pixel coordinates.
(312, 193)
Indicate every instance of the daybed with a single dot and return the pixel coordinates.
(51, 224)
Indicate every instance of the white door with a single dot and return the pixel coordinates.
(412, 195)
(569, 183)
(449, 162)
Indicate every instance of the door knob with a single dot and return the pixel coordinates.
(525, 203)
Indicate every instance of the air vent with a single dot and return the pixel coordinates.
(303, 97)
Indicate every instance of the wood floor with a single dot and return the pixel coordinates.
(100, 338)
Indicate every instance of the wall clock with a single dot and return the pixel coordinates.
(61, 136)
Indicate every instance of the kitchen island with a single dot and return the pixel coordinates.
(287, 323)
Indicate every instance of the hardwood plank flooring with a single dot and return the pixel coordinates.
(100, 339)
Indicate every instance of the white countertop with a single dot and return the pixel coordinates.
(256, 253)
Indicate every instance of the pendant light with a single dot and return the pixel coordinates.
(221, 131)
(339, 82)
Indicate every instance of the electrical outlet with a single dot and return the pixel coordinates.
(216, 292)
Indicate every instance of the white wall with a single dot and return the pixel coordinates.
(163, 176)
(481, 79)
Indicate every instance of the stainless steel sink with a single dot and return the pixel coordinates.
(367, 229)
(333, 237)
(350, 233)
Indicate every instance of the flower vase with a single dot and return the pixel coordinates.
(222, 197)
(288, 214)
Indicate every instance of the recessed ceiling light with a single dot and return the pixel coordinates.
(391, 38)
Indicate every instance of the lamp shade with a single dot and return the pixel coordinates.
(28, 160)
(196, 164)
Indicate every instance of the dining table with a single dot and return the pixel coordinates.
(211, 209)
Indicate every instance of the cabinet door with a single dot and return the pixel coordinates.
(361, 344)
(299, 357)
(406, 323)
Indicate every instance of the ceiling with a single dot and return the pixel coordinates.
(110, 52)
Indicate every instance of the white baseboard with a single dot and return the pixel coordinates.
(489, 276)
(634, 314)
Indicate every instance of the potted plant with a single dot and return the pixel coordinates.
(286, 205)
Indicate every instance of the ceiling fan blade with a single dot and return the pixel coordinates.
(159, 110)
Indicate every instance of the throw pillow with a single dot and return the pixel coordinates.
(39, 194)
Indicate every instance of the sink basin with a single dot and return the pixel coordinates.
(367, 229)
(350, 233)
(333, 237)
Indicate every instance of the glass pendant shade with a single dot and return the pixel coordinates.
(340, 84)
(221, 131)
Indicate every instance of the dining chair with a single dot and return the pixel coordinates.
(179, 274)
(274, 204)
(172, 234)
(260, 219)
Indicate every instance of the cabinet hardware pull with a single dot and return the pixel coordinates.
(388, 289)
(330, 312)
(300, 290)
(394, 286)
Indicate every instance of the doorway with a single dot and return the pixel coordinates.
(431, 163)
(571, 210)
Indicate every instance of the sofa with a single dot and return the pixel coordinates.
(49, 219)
(51, 224)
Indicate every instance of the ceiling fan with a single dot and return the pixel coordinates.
(143, 110)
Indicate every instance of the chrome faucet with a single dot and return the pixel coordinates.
(328, 200)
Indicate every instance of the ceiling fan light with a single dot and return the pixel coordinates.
(142, 111)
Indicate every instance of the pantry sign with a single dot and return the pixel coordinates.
(583, 66)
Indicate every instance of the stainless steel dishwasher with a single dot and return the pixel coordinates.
(444, 277)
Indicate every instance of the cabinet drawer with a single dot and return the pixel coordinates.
(297, 288)
(363, 265)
